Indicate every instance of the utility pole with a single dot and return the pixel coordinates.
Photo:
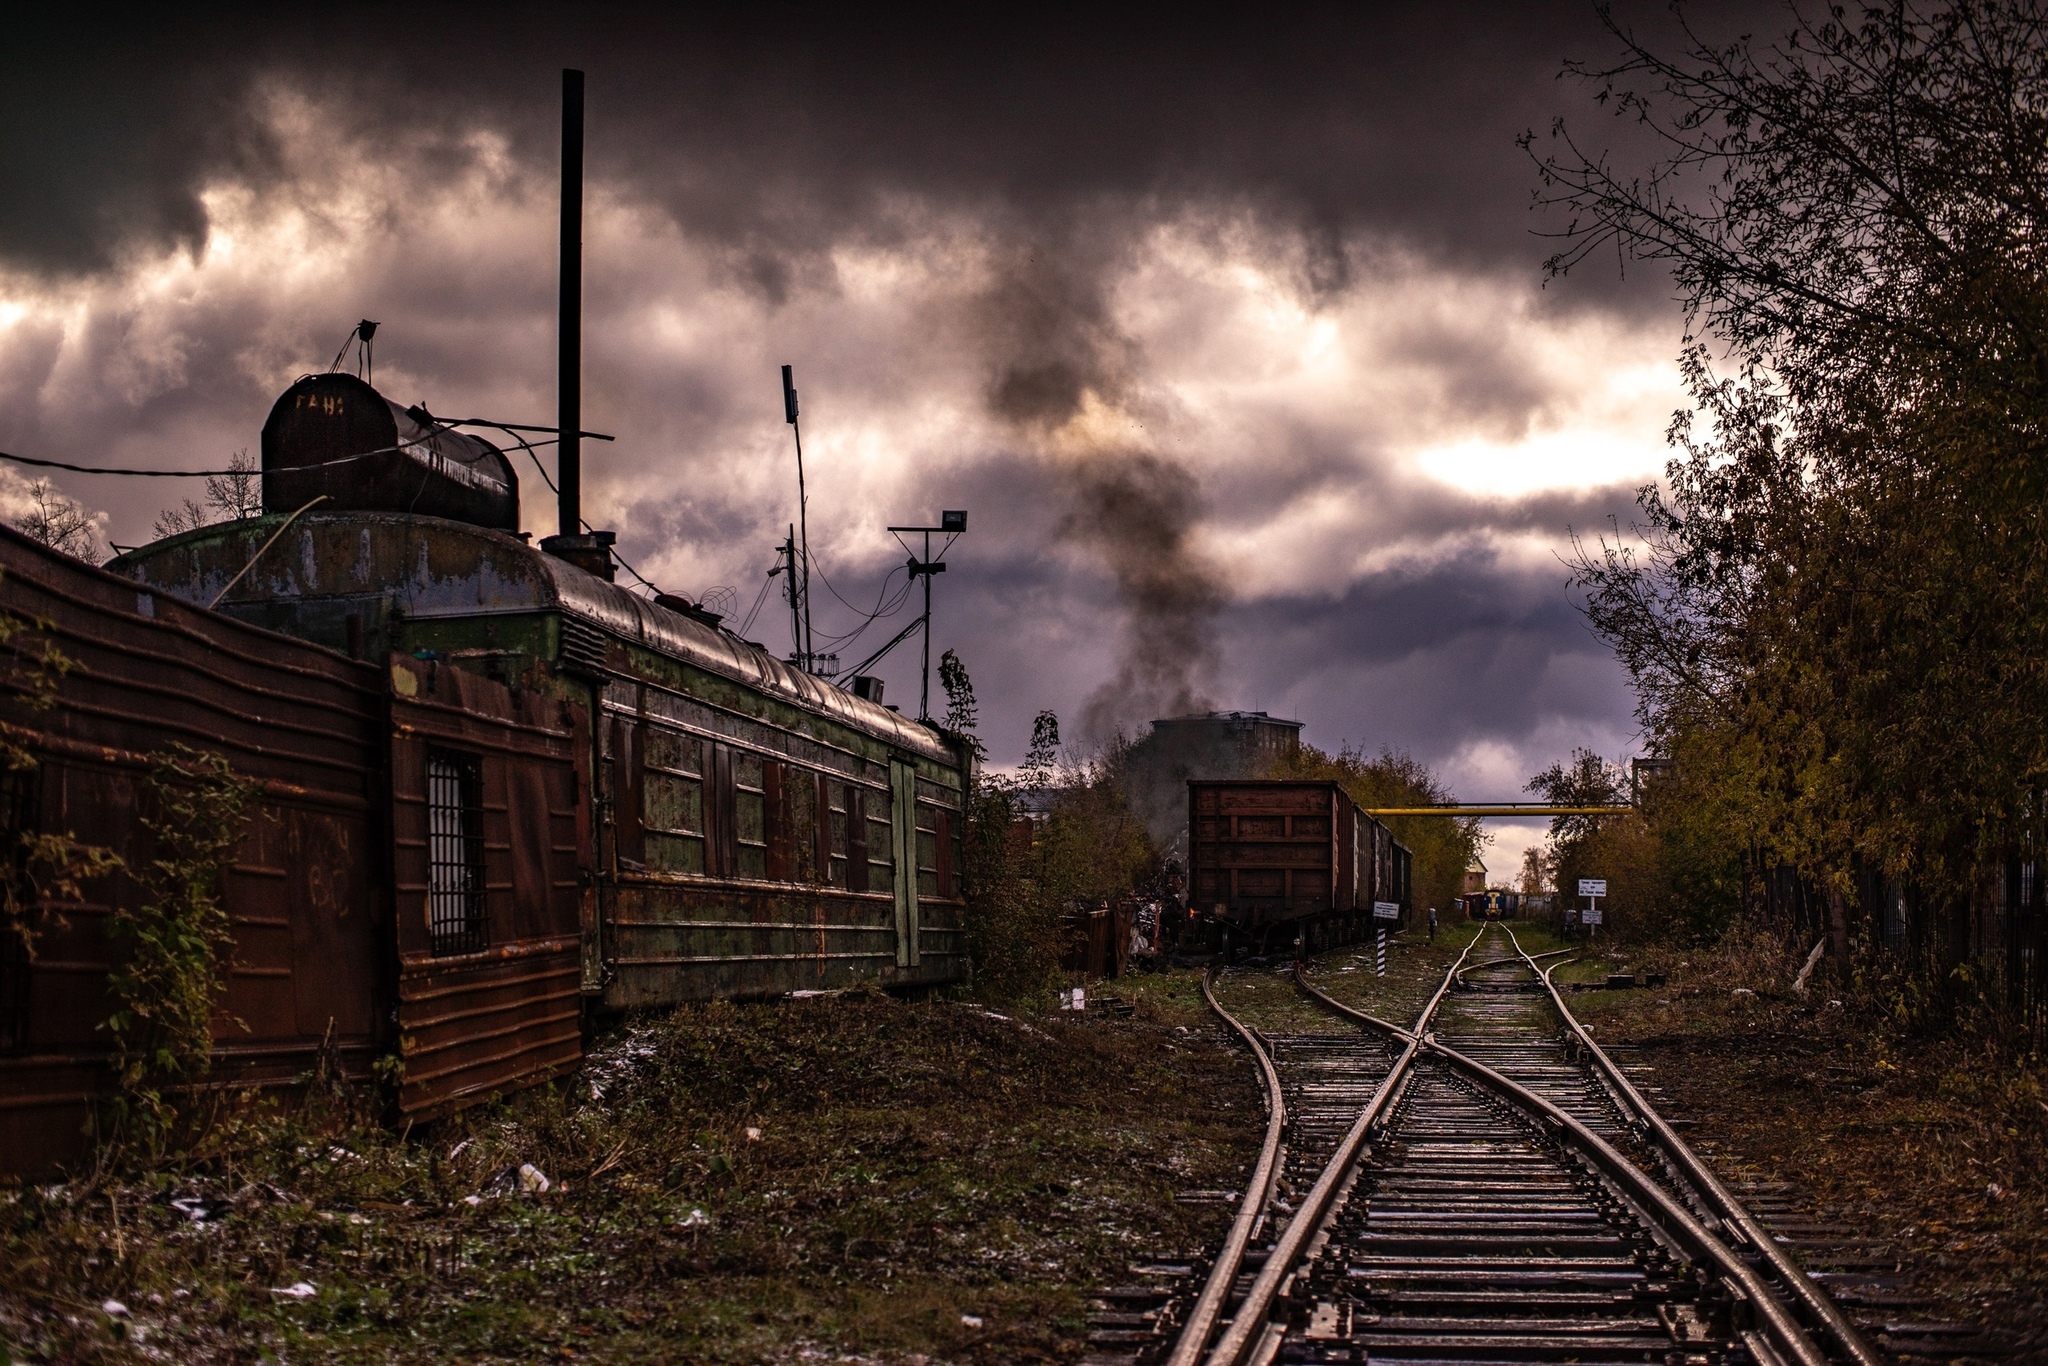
(791, 590)
(951, 525)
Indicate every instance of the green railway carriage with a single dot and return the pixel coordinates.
(747, 829)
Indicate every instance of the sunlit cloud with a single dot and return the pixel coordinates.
(1347, 450)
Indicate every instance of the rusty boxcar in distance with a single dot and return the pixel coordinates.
(1270, 859)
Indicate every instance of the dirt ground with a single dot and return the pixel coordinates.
(788, 1182)
(862, 1179)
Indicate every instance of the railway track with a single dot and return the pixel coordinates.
(1477, 1184)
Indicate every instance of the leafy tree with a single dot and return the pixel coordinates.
(963, 713)
(1835, 610)
(1058, 832)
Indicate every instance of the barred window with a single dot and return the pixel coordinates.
(455, 853)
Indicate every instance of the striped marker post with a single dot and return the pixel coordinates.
(1380, 956)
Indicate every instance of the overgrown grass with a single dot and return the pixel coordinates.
(731, 1183)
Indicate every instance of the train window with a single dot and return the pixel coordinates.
(674, 753)
(927, 850)
(881, 864)
(455, 853)
(749, 815)
(673, 818)
(835, 832)
(672, 802)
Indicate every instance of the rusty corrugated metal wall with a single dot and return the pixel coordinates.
(505, 1011)
(327, 894)
(303, 893)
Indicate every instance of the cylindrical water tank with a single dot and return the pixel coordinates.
(334, 434)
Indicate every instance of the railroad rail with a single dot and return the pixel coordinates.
(1483, 1188)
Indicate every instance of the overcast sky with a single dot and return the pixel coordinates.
(1230, 334)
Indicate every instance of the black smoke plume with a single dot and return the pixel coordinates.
(1070, 381)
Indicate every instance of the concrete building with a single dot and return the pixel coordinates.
(1217, 744)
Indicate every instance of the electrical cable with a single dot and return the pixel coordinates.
(870, 613)
(766, 583)
(882, 612)
(513, 430)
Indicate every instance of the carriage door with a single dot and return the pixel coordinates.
(903, 851)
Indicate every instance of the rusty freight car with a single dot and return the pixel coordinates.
(1273, 859)
(330, 953)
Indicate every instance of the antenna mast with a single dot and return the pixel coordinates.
(799, 580)
(952, 525)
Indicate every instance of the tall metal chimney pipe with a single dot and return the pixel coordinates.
(569, 378)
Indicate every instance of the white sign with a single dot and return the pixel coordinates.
(1591, 916)
(1386, 910)
(1592, 886)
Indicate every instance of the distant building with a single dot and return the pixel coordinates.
(1475, 878)
(1217, 744)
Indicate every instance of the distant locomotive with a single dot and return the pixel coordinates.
(1270, 860)
(1492, 905)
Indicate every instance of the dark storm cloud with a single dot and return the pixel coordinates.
(777, 129)
(1411, 659)
(1035, 156)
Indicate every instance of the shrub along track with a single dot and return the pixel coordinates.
(1504, 1195)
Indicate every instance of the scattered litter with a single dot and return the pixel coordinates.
(1743, 991)
(994, 1016)
(611, 1065)
(1834, 1005)
(524, 1179)
(753, 1134)
(1077, 999)
(459, 1148)
(1994, 1191)
(1806, 972)
(194, 1208)
(472, 1200)
(114, 1308)
(809, 992)
(972, 1320)
(297, 1290)
(696, 1218)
